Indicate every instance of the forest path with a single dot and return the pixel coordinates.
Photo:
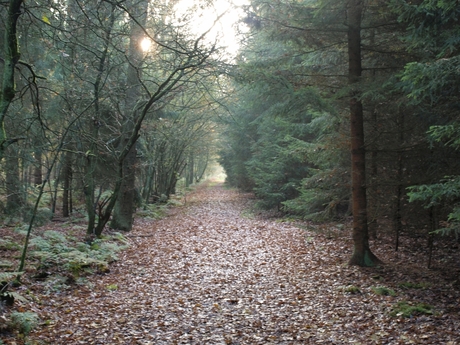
(209, 273)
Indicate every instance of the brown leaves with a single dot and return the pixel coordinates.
(207, 275)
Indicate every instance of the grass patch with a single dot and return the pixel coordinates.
(412, 285)
(247, 214)
(112, 287)
(407, 309)
(383, 291)
(351, 289)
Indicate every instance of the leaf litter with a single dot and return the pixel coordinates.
(211, 274)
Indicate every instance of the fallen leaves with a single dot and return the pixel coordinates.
(208, 275)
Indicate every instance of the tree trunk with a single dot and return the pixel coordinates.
(125, 206)
(362, 254)
(88, 189)
(67, 183)
(11, 58)
(190, 171)
(14, 199)
(148, 186)
(400, 189)
(38, 176)
(373, 210)
(202, 166)
(91, 155)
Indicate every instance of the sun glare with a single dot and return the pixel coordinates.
(146, 43)
(224, 30)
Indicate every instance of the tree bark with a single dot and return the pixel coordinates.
(123, 215)
(11, 58)
(362, 254)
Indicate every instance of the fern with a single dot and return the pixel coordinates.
(54, 250)
(9, 276)
(24, 322)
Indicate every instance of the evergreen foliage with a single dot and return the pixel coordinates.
(325, 190)
(433, 84)
(278, 164)
(273, 126)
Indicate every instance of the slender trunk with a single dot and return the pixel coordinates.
(67, 183)
(105, 214)
(362, 254)
(13, 186)
(203, 167)
(190, 171)
(88, 189)
(147, 191)
(37, 201)
(400, 187)
(38, 176)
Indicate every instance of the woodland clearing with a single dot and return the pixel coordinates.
(216, 272)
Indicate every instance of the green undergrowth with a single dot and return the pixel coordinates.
(7, 243)
(159, 210)
(55, 251)
(23, 322)
(153, 211)
(412, 285)
(383, 291)
(351, 289)
(59, 260)
(408, 309)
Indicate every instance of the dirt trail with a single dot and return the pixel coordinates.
(212, 274)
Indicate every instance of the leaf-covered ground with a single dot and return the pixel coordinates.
(214, 273)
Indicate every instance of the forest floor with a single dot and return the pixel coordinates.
(215, 272)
